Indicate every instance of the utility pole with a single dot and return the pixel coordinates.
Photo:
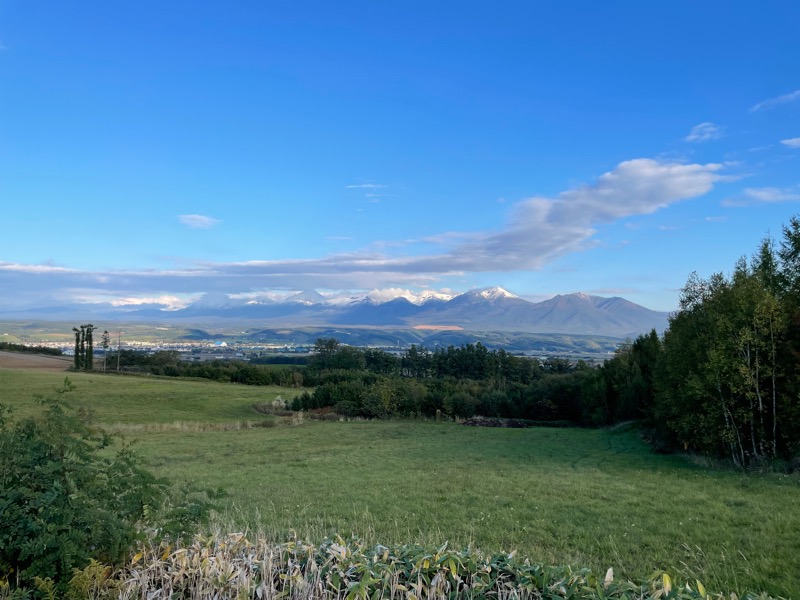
(106, 344)
(119, 347)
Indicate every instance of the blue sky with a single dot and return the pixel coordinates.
(163, 150)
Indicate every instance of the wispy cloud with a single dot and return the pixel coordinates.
(198, 221)
(791, 142)
(373, 192)
(538, 231)
(776, 101)
(45, 269)
(753, 196)
(704, 132)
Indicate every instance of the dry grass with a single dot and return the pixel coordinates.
(186, 426)
(231, 566)
(35, 362)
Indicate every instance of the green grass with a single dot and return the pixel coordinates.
(128, 400)
(585, 497)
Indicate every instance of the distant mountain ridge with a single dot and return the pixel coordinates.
(487, 309)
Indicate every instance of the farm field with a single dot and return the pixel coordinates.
(592, 498)
(130, 402)
(36, 362)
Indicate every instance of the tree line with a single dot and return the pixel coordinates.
(168, 363)
(454, 381)
(724, 380)
(727, 380)
(12, 347)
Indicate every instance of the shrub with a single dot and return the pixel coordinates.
(460, 404)
(64, 498)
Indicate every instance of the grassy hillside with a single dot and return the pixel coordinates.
(128, 400)
(587, 497)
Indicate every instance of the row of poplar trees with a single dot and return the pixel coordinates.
(724, 379)
(84, 346)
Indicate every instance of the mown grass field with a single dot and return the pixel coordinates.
(130, 400)
(585, 497)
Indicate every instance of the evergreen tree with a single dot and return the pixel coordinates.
(77, 358)
(88, 362)
(82, 347)
(106, 344)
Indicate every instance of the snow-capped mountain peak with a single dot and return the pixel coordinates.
(583, 296)
(344, 299)
(418, 298)
(495, 293)
(387, 295)
(215, 300)
(306, 297)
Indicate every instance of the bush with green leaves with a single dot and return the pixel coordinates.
(67, 496)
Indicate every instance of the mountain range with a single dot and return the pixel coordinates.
(489, 309)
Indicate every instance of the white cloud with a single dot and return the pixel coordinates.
(752, 196)
(365, 186)
(198, 221)
(704, 132)
(167, 301)
(638, 187)
(538, 230)
(386, 294)
(777, 101)
(791, 142)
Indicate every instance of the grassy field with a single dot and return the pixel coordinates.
(585, 497)
(129, 401)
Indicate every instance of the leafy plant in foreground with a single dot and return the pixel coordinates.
(65, 497)
(232, 566)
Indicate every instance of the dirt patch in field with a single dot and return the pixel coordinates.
(491, 422)
(515, 423)
(38, 362)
